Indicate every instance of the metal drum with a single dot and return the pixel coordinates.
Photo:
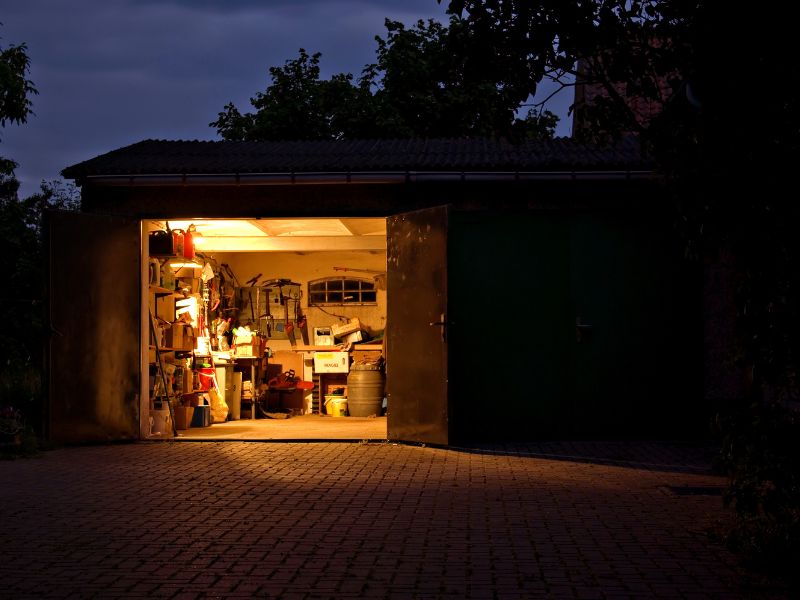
(365, 385)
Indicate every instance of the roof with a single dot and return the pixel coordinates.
(165, 157)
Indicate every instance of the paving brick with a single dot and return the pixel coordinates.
(311, 521)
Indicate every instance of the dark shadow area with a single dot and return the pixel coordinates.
(665, 456)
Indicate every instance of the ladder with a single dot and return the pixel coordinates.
(160, 371)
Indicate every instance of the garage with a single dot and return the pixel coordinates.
(531, 290)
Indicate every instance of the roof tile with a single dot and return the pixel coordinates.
(177, 157)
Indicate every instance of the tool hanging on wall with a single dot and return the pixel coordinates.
(302, 322)
(253, 309)
(289, 324)
(283, 300)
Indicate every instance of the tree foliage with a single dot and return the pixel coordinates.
(21, 246)
(636, 53)
(15, 92)
(428, 80)
(298, 105)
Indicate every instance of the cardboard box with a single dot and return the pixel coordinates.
(332, 362)
(353, 338)
(180, 337)
(249, 348)
(366, 356)
(183, 416)
(351, 326)
(243, 350)
(323, 336)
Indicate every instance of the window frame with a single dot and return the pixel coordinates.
(344, 282)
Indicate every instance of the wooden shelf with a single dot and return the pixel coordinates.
(337, 348)
(159, 291)
(165, 349)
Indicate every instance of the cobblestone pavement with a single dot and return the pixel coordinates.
(364, 520)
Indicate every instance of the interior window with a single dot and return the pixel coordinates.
(338, 291)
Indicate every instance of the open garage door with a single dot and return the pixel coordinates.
(94, 311)
(416, 326)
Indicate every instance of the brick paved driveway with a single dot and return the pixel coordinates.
(345, 520)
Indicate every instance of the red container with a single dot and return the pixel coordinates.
(188, 244)
(206, 378)
(177, 241)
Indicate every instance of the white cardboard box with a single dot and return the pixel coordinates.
(331, 362)
(341, 330)
(352, 338)
(323, 336)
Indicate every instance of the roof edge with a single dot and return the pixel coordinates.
(356, 177)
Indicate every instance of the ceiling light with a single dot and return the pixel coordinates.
(181, 263)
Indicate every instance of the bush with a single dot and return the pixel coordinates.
(760, 453)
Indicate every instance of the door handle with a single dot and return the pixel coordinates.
(583, 331)
(443, 323)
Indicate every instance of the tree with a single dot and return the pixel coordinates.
(298, 105)
(21, 246)
(15, 92)
(636, 52)
(428, 81)
(437, 81)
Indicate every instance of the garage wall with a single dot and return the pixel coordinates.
(304, 267)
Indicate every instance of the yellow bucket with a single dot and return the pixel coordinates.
(336, 406)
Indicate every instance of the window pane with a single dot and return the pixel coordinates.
(341, 290)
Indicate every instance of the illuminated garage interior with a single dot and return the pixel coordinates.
(242, 304)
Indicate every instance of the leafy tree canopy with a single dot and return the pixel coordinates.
(15, 92)
(427, 81)
(638, 54)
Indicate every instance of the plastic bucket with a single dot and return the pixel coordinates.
(365, 385)
(336, 406)
(160, 422)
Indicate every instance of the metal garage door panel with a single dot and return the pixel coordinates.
(415, 334)
(93, 370)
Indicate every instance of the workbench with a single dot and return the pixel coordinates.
(325, 382)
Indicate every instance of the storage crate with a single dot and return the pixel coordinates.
(331, 362)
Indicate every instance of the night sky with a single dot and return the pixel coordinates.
(114, 72)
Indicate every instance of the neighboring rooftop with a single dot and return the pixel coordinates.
(165, 157)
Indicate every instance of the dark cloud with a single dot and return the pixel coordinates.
(113, 72)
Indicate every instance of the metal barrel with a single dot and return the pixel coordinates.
(365, 385)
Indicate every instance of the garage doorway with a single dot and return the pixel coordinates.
(251, 304)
